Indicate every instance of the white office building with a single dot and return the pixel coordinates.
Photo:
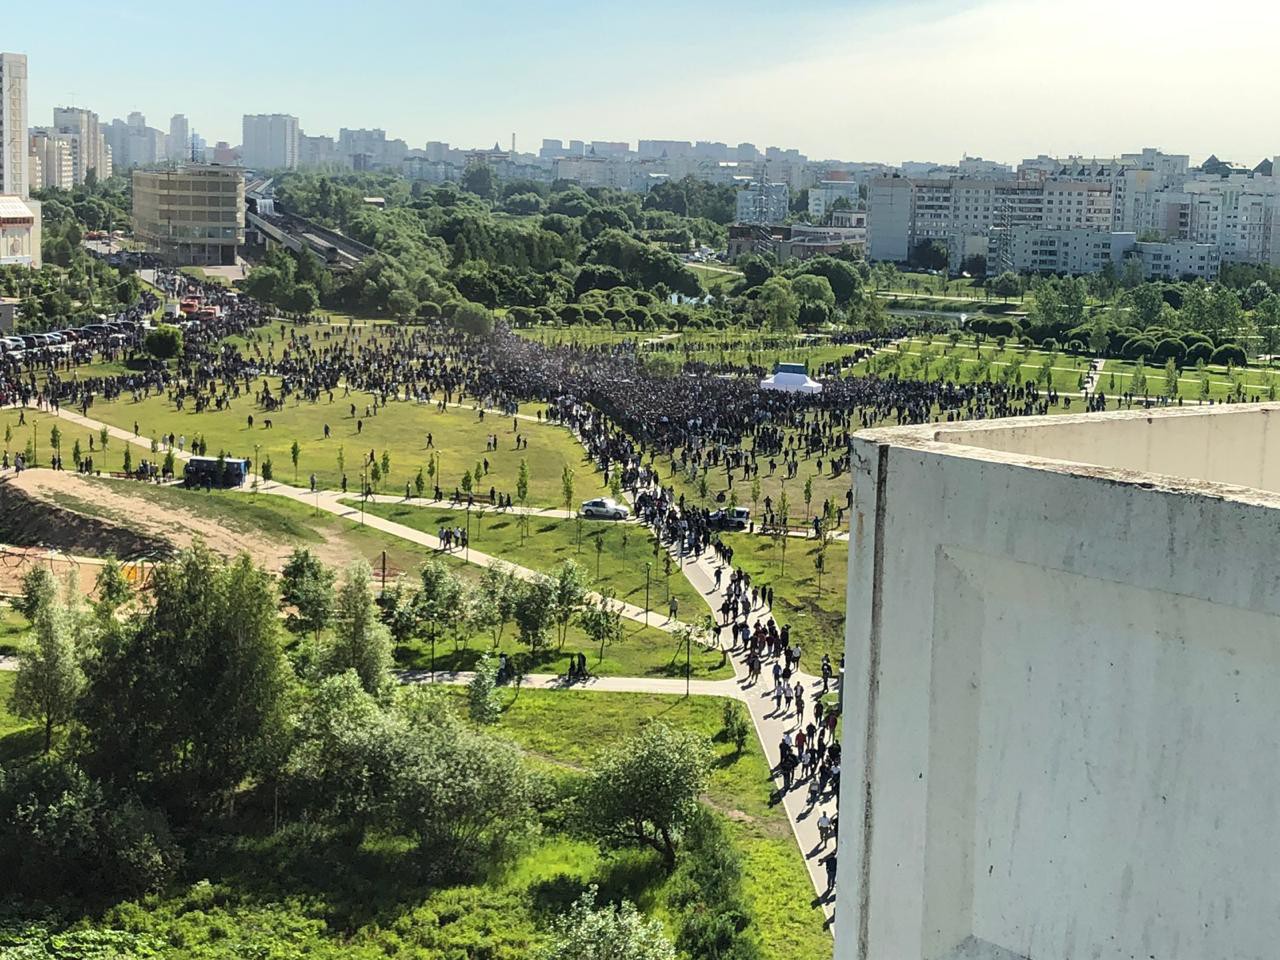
(763, 203)
(270, 141)
(825, 193)
(14, 149)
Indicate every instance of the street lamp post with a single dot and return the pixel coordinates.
(433, 649)
(647, 568)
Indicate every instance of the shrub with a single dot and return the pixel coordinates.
(1137, 347)
(1229, 353)
(1198, 351)
(1170, 349)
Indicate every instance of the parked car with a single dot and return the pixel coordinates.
(605, 508)
(736, 519)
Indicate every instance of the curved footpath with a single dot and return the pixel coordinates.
(700, 571)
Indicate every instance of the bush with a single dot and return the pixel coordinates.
(63, 834)
(1137, 347)
(1170, 349)
(1229, 353)
(164, 342)
(1201, 350)
(1191, 338)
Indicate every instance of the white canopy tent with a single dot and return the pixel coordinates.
(791, 378)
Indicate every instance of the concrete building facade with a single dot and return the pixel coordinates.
(15, 167)
(1059, 689)
(19, 232)
(89, 149)
(763, 203)
(191, 215)
(270, 141)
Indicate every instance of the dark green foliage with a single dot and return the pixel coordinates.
(1228, 353)
(188, 702)
(713, 916)
(64, 834)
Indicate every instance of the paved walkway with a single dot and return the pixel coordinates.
(771, 725)
(551, 681)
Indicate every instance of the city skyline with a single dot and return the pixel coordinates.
(1011, 96)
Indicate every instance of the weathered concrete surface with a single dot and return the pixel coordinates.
(1061, 719)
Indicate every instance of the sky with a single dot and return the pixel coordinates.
(882, 80)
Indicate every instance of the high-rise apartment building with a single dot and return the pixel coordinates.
(89, 147)
(270, 141)
(179, 138)
(14, 165)
(51, 154)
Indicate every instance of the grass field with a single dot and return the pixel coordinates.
(14, 631)
(715, 279)
(550, 541)
(18, 738)
(571, 727)
(816, 616)
(825, 487)
(399, 429)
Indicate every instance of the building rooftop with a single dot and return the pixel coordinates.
(1223, 448)
(14, 208)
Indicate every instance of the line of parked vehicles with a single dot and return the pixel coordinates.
(62, 341)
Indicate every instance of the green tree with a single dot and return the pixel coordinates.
(440, 599)
(473, 319)
(164, 342)
(39, 587)
(306, 585)
(361, 641)
(566, 487)
(49, 679)
(495, 600)
(588, 932)
(776, 306)
(644, 791)
(482, 692)
(735, 726)
(295, 451)
(567, 598)
(601, 620)
(534, 608)
(522, 494)
(111, 587)
(191, 702)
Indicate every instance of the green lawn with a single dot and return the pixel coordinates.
(14, 631)
(716, 280)
(825, 487)
(18, 738)
(816, 616)
(550, 541)
(570, 727)
(400, 429)
(643, 652)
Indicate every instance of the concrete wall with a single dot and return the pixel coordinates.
(1060, 695)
